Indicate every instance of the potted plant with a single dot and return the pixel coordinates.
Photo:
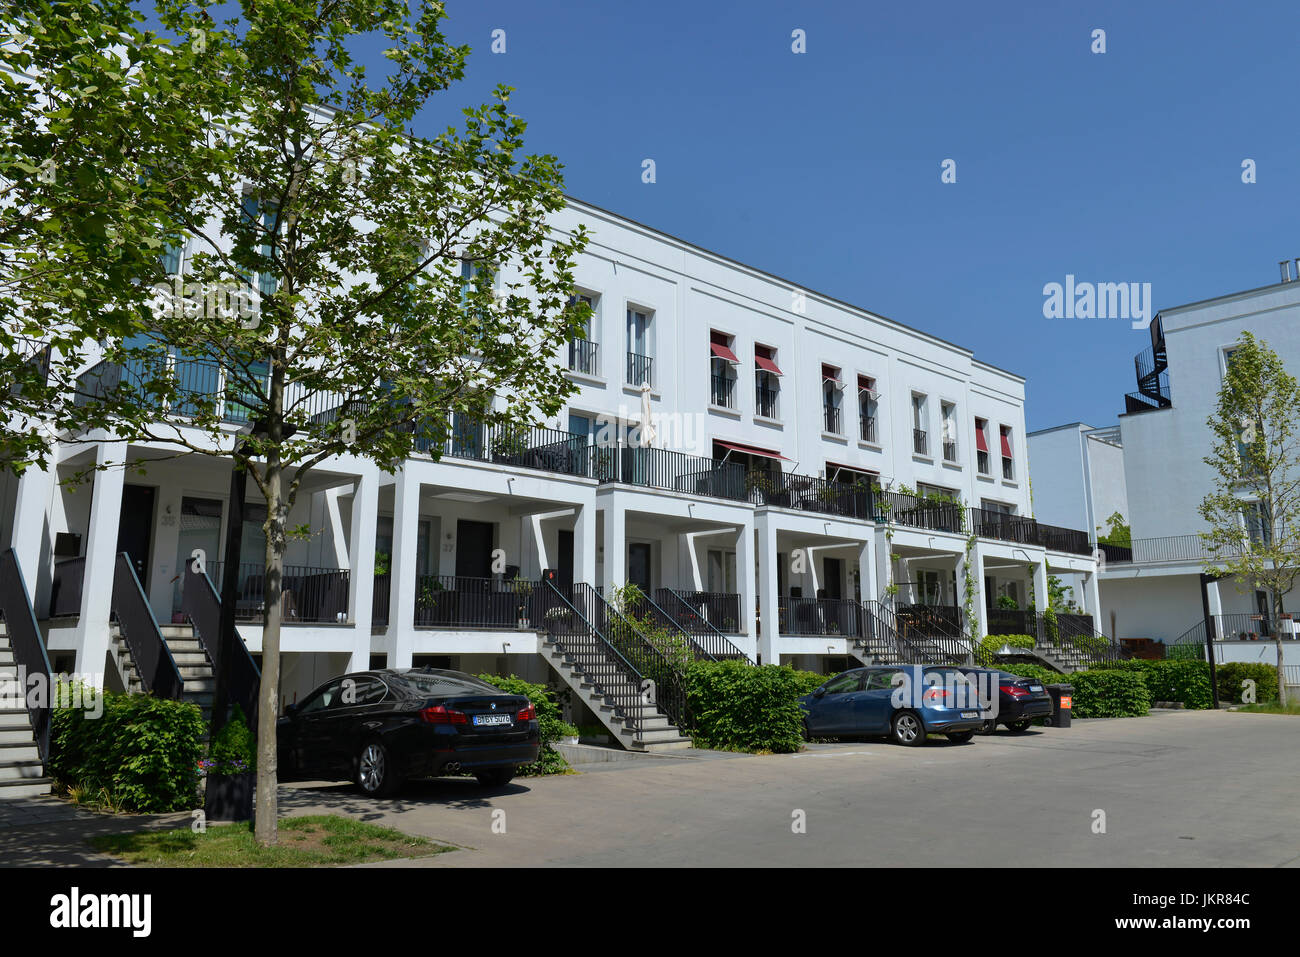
(231, 771)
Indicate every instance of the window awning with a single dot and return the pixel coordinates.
(1006, 445)
(751, 450)
(981, 442)
(723, 352)
(766, 364)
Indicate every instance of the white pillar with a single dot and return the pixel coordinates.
(584, 544)
(101, 554)
(768, 587)
(1215, 598)
(29, 538)
(745, 580)
(884, 566)
(1092, 588)
(615, 547)
(867, 568)
(979, 610)
(406, 532)
(1040, 586)
(361, 561)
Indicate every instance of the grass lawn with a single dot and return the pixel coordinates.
(1272, 707)
(319, 840)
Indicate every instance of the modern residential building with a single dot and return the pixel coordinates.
(822, 482)
(1154, 590)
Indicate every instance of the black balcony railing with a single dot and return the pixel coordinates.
(949, 451)
(1010, 621)
(668, 470)
(722, 391)
(1008, 469)
(35, 356)
(988, 523)
(867, 428)
(916, 511)
(139, 630)
(381, 599)
(582, 357)
(308, 593)
(765, 402)
(920, 442)
(549, 450)
(195, 386)
(719, 609)
(457, 601)
(693, 613)
(805, 493)
(640, 369)
(831, 419)
(832, 617)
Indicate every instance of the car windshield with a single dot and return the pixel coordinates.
(436, 684)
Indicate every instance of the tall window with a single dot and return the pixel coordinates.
(582, 348)
(263, 216)
(982, 447)
(1008, 461)
(640, 364)
(920, 434)
(867, 409)
(831, 389)
(949, 413)
(767, 382)
(1257, 526)
(722, 370)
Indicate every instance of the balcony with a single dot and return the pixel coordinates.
(640, 370)
(582, 357)
(669, 471)
(808, 494)
(831, 419)
(722, 392)
(867, 428)
(548, 450)
(949, 451)
(920, 442)
(830, 617)
(765, 402)
(451, 601)
(1004, 527)
(309, 593)
(197, 387)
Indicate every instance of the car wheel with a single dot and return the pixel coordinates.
(495, 777)
(376, 776)
(1018, 726)
(807, 731)
(988, 727)
(960, 737)
(907, 729)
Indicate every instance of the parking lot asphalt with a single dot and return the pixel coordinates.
(1196, 789)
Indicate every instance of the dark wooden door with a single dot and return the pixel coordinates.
(473, 549)
(135, 528)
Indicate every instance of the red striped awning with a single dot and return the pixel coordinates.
(723, 352)
(766, 364)
(1006, 445)
(751, 450)
(981, 442)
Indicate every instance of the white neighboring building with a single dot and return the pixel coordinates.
(1078, 474)
(1155, 591)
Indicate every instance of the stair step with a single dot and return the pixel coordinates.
(31, 787)
(20, 769)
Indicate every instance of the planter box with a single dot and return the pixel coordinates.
(229, 797)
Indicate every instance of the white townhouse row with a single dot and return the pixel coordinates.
(1151, 468)
(818, 475)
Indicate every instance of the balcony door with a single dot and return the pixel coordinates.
(135, 528)
(832, 578)
(473, 549)
(200, 527)
(638, 565)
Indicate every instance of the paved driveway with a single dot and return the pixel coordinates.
(1186, 789)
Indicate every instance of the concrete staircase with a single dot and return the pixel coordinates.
(195, 668)
(595, 682)
(22, 774)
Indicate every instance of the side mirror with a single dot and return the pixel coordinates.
(820, 692)
(291, 710)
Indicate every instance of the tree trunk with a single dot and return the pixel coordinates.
(1277, 640)
(268, 710)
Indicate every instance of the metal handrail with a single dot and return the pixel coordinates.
(25, 642)
(202, 606)
(139, 629)
(693, 620)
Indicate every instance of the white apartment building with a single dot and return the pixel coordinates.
(1154, 590)
(752, 518)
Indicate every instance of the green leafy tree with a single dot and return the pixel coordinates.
(351, 289)
(1254, 511)
(1117, 532)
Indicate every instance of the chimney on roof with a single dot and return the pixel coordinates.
(1285, 266)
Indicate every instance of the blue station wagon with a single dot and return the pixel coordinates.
(903, 702)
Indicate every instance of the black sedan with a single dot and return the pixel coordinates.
(378, 728)
(1020, 700)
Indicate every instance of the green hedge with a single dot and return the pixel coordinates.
(1046, 675)
(735, 706)
(1175, 679)
(550, 723)
(1231, 675)
(141, 754)
(1108, 693)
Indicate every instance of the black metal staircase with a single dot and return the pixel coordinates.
(1151, 366)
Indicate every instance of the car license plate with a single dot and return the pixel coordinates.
(486, 719)
(970, 714)
(1035, 687)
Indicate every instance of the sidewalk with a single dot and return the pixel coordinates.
(48, 832)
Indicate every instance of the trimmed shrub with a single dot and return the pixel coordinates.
(1183, 680)
(1108, 693)
(735, 706)
(989, 645)
(550, 723)
(140, 754)
(1046, 675)
(1232, 674)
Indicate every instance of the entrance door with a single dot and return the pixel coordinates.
(135, 528)
(638, 566)
(564, 561)
(833, 577)
(200, 527)
(473, 549)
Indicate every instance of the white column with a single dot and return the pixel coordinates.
(28, 538)
(980, 613)
(1040, 587)
(884, 566)
(584, 544)
(101, 548)
(615, 547)
(906, 593)
(1215, 598)
(867, 568)
(1092, 589)
(361, 561)
(406, 531)
(745, 580)
(768, 587)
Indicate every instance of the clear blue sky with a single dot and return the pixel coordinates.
(824, 167)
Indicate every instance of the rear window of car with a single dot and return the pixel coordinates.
(442, 684)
